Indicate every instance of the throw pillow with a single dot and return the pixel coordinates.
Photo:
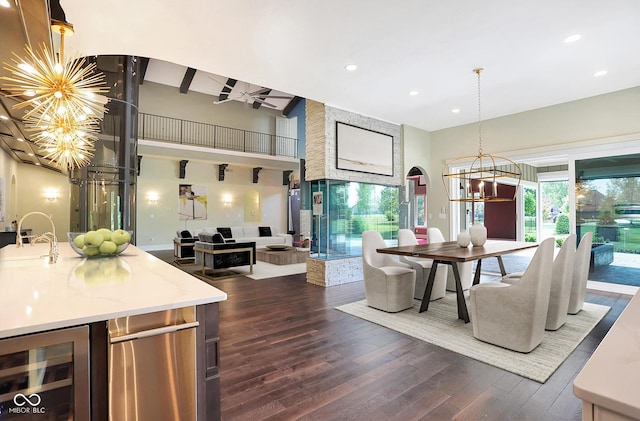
(185, 234)
(217, 238)
(225, 232)
(265, 231)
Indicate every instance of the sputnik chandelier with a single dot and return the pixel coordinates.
(478, 182)
(64, 101)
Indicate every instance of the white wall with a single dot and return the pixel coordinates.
(31, 183)
(157, 222)
(574, 124)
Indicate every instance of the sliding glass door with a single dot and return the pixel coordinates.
(608, 204)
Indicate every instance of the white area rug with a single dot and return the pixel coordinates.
(440, 326)
(261, 270)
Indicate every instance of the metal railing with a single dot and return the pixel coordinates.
(185, 132)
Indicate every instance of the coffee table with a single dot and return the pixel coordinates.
(288, 256)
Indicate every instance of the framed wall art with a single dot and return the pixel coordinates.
(363, 150)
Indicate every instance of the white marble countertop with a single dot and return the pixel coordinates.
(611, 377)
(38, 296)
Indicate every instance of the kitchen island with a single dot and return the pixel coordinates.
(97, 295)
(608, 383)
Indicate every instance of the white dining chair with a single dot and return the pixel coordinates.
(514, 316)
(434, 235)
(561, 282)
(580, 274)
(406, 237)
(389, 285)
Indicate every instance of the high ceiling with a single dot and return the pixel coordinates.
(301, 49)
(428, 46)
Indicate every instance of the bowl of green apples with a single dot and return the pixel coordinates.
(102, 242)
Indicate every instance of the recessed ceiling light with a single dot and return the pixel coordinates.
(351, 67)
(20, 139)
(413, 93)
(37, 163)
(455, 110)
(600, 73)
(5, 3)
(572, 38)
(30, 154)
(4, 117)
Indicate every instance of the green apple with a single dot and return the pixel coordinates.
(91, 250)
(108, 247)
(106, 233)
(79, 241)
(120, 237)
(93, 238)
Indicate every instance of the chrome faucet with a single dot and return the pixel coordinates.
(48, 237)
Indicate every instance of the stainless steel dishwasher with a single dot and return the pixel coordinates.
(152, 366)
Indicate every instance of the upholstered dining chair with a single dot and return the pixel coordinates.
(561, 281)
(406, 237)
(514, 316)
(389, 285)
(434, 235)
(580, 274)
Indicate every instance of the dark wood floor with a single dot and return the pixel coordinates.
(286, 353)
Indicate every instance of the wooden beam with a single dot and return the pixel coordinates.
(224, 93)
(187, 79)
(291, 105)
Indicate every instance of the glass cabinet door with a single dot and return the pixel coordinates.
(45, 374)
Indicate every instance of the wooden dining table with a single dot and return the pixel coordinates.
(450, 253)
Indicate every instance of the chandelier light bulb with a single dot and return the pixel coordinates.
(27, 68)
(58, 68)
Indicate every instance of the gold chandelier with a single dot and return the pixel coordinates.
(478, 182)
(64, 100)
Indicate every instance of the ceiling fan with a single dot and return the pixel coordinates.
(230, 92)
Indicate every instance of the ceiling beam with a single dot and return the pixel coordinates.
(144, 63)
(186, 80)
(226, 90)
(291, 105)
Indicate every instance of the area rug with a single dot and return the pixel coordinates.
(440, 326)
(261, 270)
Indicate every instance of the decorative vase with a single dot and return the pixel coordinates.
(464, 239)
(478, 234)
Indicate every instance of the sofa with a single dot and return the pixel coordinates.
(262, 236)
(223, 260)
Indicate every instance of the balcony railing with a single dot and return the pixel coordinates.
(185, 132)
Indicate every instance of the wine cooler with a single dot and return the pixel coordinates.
(45, 376)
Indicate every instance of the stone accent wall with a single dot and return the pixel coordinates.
(333, 272)
(316, 144)
(321, 145)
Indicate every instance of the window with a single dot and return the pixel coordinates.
(421, 208)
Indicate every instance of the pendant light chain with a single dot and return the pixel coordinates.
(478, 71)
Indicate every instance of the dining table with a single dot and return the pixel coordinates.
(450, 253)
